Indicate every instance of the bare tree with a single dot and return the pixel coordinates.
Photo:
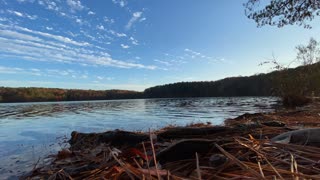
(310, 53)
(282, 12)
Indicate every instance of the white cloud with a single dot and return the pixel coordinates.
(50, 5)
(121, 35)
(117, 34)
(91, 13)
(125, 46)
(49, 28)
(135, 17)
(100, 27)
(16, 13)
(133, 41)
(121, 3)
(79, 21)
(142, 19)
(75, 5)
(107, 19)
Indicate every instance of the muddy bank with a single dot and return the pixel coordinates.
(249, 146)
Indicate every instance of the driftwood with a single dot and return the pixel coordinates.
(309, 137)
(118, 138)
(115, 138)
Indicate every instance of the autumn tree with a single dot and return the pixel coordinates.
(282, 12)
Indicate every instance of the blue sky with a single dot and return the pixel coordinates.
(136, 44)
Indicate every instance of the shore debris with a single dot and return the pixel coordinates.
(258, 146)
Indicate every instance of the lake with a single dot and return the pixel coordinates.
(32, 130)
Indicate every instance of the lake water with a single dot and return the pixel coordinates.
(32, 130)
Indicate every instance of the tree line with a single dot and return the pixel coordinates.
(34, 94)
(303, 80)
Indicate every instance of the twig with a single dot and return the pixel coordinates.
(146, 155)
(261, 171)
(239, 163)
(198, 168)
(121, 164)
(154, 155)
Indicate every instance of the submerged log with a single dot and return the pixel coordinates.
(308, 137)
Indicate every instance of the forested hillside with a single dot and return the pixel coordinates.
(303, 80)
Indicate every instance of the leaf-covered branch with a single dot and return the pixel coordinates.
(282, 12)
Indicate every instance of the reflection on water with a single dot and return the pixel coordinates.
(28, 130)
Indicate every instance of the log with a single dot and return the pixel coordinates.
(192, 132)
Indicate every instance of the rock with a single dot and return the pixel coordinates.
(308, 137)
(217, 160)
(64, 153)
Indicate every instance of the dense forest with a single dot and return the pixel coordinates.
(303, 80)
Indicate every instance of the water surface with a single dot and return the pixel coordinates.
(32, 130)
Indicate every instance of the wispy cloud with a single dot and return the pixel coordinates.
(57, 73)
(51, 36)
(104, 78)
(74, 85)
(163, 62)
(135, 17)
(117, 34)
(35, 45)
(193, 54)
(23, 15)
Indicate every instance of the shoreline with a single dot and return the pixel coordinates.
(121, 153)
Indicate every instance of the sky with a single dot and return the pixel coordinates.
(135, 44)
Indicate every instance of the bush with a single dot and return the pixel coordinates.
(295, 100)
